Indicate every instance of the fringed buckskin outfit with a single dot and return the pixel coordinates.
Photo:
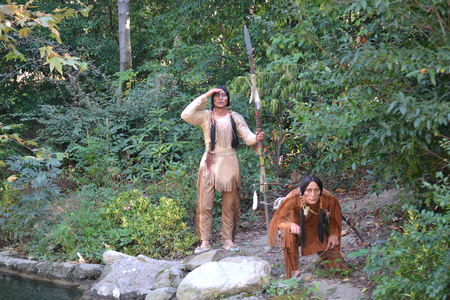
(224, 174)
(288, 212)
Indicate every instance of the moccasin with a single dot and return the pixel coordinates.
(298, 277)
(200, 250)
(231, 248)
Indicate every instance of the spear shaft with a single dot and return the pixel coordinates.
(255, 97)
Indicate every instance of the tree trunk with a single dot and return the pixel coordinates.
(124, 43)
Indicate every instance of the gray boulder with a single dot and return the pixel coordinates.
(202, 259)
(165, 293)
(66, 273)
(170, 277)
(128, 277)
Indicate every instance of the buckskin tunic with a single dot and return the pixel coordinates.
(224, 174)
(288, 212)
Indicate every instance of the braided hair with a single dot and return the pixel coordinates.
(212, 133)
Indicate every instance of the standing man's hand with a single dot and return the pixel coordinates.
(212, 91)
(333, 241)
(260, 136)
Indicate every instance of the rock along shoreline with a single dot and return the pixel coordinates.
(126, 277)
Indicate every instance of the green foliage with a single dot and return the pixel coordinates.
(75, 231)
(178, 182)
(36, 172)
(28, 191)
(355, 87)
(282, 289)
(250, 170)
(96, 219)
(349, 87)
(414, 263)
(331, 272)
(8, 219)
(438, 193)
(138, 139)
(157, 146)
(368, 90)
(158, 230)
(97, 163)
(203, 47)
(72, 224)
(11, 144)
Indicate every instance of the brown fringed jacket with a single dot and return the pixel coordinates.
(289, 211)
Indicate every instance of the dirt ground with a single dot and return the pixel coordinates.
(365, 212)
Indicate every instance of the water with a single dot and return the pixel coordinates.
(14, 287)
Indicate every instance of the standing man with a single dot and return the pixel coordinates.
(219, 167)
(310, 217)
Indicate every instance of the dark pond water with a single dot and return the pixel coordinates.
(17, 288)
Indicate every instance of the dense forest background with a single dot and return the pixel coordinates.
(355, 91)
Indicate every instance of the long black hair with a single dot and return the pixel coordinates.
(307, 180)
(226, 92)
(212, 132)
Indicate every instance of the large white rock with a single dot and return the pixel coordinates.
(230, 276)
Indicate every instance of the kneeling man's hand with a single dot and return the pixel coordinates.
(295, 229)
(333, 241)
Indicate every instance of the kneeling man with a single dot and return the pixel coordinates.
(310, 217)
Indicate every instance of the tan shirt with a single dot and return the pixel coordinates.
(225, 171)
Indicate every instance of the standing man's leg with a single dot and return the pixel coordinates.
(205, 203)
(231, 213)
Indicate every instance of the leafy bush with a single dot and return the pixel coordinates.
(156, 144)
(140, 226)
(366, 94)
(137, 139)
(97, 162)
(439, 193)
(414, 264)
(31, 188)
(8, 198)
(73, 224)
(178, 182)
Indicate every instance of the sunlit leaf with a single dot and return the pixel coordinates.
(55, 34)
(12, 178)
(56, 63)
(24, 32)
(85, 12)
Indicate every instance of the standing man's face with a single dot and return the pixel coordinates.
(220, 99)
(312, 193)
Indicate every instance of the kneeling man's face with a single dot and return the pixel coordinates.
(312, 193)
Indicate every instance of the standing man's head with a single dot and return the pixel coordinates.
(220, 98)
(311, 189)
